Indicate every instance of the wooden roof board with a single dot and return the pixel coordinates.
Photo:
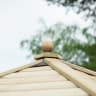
(54, 92)
(37, 86)
(32, 74)
(35, 79)
(79, 68)
(26, 76)
(43, 68)
(59, 83)
(80, 80)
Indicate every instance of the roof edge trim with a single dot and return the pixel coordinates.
(82, 69)
(19, 68)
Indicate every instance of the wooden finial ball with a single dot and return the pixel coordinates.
(47, 46)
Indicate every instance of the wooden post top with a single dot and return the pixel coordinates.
(47, 47)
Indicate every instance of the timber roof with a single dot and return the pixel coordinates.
(48, 76)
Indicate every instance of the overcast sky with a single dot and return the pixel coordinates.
(20, 19)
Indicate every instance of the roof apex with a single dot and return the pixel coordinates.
(47, 47)
(47, 55)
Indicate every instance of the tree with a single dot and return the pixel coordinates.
(86, 6)
(67, 44)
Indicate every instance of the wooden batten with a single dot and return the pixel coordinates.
(32, 74)
(54, 92)
(38, 86)
(80, 80)
(36, 79)
(33, 69)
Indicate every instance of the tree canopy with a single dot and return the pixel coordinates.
(74, 44)
(67, 43)
(87, 6)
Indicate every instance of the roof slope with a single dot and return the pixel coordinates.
(43, 81)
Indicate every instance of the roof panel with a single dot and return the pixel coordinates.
(32, 79)
(37, 86)
(54, 92)
(41, 80)
(32, 74)
(43, 68)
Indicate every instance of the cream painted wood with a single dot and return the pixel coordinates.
(31, 74)
(19, 68)
(80, 80)
(93, 78)
(89, 76)
(45, 68)
(46, 55)
(32, 79)
(38, 86)
(79, 68)
(54, 92)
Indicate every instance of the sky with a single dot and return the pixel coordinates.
(20, 19)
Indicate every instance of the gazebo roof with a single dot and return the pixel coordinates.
(49, 75)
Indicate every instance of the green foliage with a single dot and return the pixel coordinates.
(68, 44)
(87, 6)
